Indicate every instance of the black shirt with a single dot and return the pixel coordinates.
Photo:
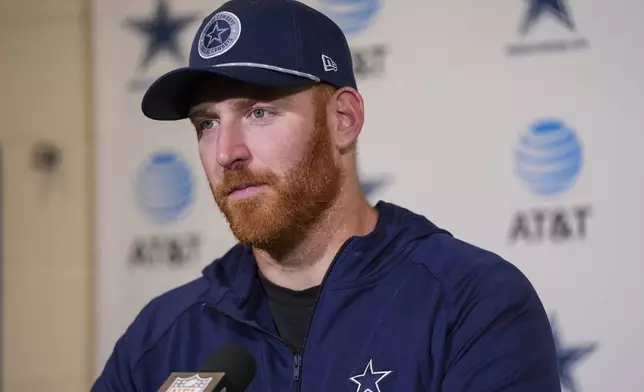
(291, 310)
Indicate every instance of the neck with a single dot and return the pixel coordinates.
(305, 265)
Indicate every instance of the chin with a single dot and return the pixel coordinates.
(251, 211)
(258, 222)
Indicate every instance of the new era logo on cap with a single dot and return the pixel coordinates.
(329, 64)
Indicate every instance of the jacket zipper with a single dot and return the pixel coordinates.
(297, 360)
(297, 356)
(300, 355)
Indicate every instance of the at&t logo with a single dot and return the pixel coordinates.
(549, 157)
(165, 187)
(165, 191)
(548, 160)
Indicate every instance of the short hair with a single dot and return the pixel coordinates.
(322, 92)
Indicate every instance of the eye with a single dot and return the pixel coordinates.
(208, 124)
(260, 114)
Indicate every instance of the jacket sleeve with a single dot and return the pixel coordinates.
(116, 375)
(500, 339)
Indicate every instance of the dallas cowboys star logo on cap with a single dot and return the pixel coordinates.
(216, 33)
(368, 380)
(219, 35)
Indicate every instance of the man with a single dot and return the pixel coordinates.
(327, 292)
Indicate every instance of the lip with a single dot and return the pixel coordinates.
(244, 186)
(244, 191)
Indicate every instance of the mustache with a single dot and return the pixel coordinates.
(241, 178)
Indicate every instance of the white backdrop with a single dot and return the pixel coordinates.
(522, 142)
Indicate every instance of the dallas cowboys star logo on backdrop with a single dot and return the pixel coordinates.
(368, 380)
(568, 357)
(372, 185)
(555, 8)
(161, 32)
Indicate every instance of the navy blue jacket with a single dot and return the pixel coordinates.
(406, 308)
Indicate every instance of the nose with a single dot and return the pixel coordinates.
(231, 146)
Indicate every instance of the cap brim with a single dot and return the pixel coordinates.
(169, 98)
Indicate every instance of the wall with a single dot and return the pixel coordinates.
(46, 333)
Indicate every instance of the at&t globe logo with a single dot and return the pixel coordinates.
(165, 190)
(352, 16)
(165, 187)
(548, 160)
(549, 157)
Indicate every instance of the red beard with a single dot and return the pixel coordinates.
(303, 195)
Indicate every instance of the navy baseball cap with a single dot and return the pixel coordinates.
(271, 43)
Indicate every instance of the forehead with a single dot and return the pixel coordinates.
(213, 89)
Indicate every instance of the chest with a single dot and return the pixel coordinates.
(377, 341)
(396, 343)
(392, 343)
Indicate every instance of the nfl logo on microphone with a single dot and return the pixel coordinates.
(194, 382)
(190, 384)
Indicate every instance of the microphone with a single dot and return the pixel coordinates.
(229, 369)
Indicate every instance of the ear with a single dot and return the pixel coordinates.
(347, 109)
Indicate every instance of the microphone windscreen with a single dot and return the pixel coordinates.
(238, 364)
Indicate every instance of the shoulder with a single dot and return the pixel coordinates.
(496, 327)
(457, 266)
(158, 316)
(163, 312)
(164, 309)
(145, 333)
(466, 272)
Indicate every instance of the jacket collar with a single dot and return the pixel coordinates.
(235, 288)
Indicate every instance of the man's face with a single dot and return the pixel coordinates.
(269, 158)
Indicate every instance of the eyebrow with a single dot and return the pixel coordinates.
(242, 104)
(200, 112)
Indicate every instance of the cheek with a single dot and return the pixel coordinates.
(208, 157)
(278, 151)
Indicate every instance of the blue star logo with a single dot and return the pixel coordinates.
(372, 185)
(215, 34)
(368, 380)
(568, 357)
(554, 8)
(161, 32)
